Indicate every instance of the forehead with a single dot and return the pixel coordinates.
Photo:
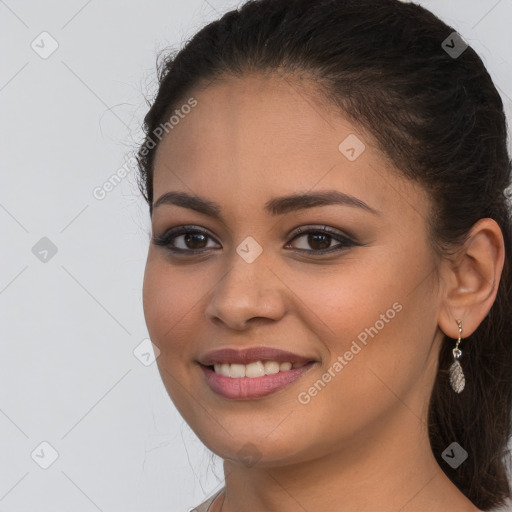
(260, 137)
(253, 117)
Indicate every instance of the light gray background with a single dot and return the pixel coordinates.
(69, 326)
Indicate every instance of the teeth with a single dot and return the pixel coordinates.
(237, 370)
(256, 369)
(271, 367)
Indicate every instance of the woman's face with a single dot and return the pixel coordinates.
(362, 314)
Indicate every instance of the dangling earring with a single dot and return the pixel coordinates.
(457, 379)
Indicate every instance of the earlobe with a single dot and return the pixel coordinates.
(471, 279)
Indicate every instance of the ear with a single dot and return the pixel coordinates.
(471, 278)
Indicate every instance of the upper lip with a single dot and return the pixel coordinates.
(250, 355)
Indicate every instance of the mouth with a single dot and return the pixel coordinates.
(255, 369)
(252, 373)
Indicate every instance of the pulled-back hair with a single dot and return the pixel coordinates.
(438, 118)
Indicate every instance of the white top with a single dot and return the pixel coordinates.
(205, 506)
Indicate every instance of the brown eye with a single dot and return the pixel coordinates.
(184, 239)
(195, 240)
(319, 241)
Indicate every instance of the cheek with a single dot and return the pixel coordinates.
(342, 301)
(369, 317)
(170, 301)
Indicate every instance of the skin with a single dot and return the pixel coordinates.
(361, 443)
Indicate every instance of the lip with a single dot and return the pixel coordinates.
(251, 355)
(247, 388)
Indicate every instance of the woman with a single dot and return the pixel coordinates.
(328, 280)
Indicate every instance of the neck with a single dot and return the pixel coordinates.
(385, 469)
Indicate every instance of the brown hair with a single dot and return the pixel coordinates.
(440, 120)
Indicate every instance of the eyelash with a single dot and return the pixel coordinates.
(165, 239)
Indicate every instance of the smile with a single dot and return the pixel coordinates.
(254, 370)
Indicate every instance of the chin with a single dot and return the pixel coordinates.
(254, 448)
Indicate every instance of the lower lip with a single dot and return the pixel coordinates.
(247, 388)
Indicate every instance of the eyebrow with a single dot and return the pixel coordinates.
(275, 206)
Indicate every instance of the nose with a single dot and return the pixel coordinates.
(247, 292)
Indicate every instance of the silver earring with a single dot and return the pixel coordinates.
(457, 379)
